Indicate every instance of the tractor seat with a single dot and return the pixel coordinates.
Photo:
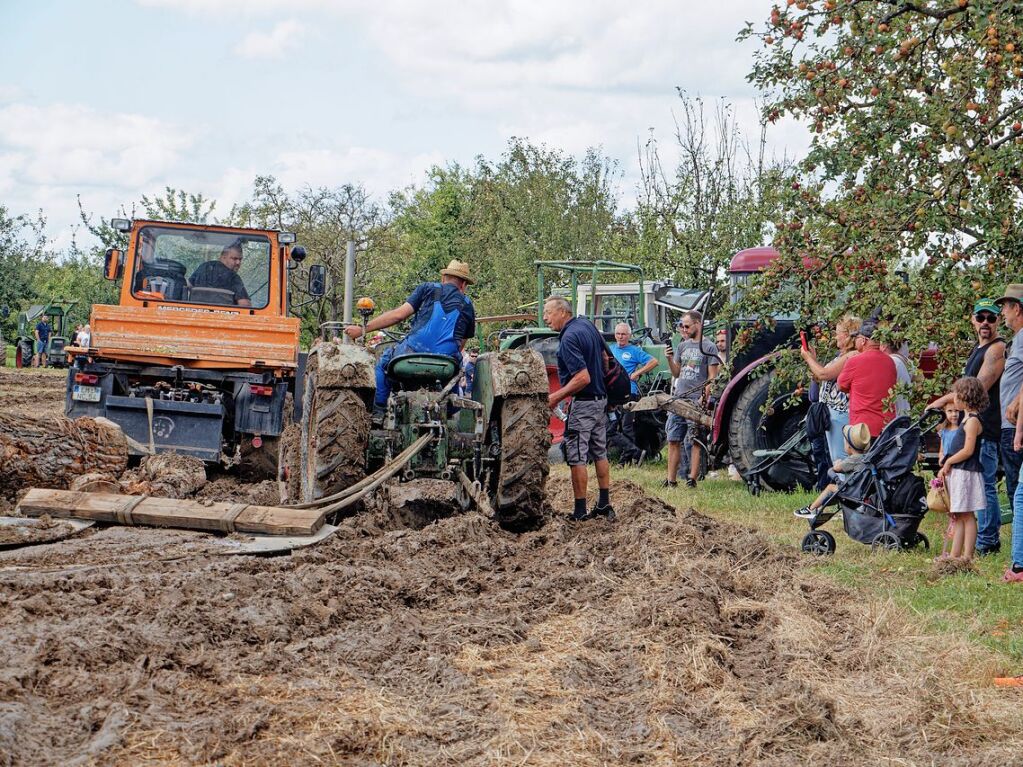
(418, 370)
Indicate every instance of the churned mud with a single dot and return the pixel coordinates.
(420, 634)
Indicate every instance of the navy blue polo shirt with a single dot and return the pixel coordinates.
(581, 346)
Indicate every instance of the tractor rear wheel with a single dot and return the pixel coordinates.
(334, 439)
(751, 428)
(521, 483)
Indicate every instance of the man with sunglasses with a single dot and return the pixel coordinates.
(986, 362)
(1011, 305)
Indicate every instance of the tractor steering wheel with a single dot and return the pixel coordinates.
(640, 333)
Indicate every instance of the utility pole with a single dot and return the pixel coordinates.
(349, 280)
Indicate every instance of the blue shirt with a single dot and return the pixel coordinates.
(632, 358)
(43, 328)
(451, 298)
(582, 347)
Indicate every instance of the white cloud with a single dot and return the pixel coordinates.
(273, 44)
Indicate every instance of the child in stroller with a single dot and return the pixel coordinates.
(882, 501)
(857, 440)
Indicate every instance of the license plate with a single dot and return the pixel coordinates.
(86, 393)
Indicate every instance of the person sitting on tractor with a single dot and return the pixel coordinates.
(223, 274)
(444, 318)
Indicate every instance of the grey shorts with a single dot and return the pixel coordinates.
(586, 432)
(679, 429)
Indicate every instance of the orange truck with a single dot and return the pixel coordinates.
(200, 356)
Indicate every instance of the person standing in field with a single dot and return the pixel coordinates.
(582, 360)
(962, 471)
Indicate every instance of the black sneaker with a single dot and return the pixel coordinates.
(690, 482)
(669, 483)
(983, 551)
(804, 513)
(607, 510)
(576, 516)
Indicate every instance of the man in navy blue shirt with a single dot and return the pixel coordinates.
(582, 356)
(42, 339)
(443, 318)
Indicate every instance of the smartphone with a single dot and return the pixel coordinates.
(802, 339)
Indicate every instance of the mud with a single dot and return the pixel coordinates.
(418, 635)
(37, 393)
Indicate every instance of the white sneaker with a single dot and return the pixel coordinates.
(804, 513)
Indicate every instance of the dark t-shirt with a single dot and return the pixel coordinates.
(43, 328)
(580, 346)
(991, 416)
(451, 299)
(213, 274)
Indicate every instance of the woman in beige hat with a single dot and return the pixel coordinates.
(443, 318)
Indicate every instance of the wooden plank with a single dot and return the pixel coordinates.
(169, 512)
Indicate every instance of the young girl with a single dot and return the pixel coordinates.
(961, 471)
(947, 430)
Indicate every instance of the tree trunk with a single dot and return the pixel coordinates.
(50, 451)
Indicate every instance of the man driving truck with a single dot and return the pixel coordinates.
(223, 274)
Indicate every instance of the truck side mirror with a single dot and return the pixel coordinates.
(113, 264)
(317, 280)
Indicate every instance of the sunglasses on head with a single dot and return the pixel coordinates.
(987, 317)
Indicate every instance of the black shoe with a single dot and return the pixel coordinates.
(606, 510)
(669, 483)
(376, 419)
(983, 551)
(576, 516)
(690, 482)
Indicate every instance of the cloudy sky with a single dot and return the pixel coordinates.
(112, 99)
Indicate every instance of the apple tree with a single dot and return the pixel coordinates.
(908, 201)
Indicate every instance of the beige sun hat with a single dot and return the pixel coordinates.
(1013, 292)
(857, 435)
(458, 269)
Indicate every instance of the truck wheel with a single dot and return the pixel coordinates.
(751, 429)
(521, 484)
(335, 436)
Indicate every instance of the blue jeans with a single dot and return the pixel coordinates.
(990, 519)
(836, 442)
(1017, 521)
(1012, 462)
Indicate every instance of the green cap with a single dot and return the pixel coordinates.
(986, 305)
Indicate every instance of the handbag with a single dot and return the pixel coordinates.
(937, 499)
(818, 420)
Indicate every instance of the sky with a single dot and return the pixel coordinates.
(108, 100)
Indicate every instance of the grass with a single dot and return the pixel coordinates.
(979, 607)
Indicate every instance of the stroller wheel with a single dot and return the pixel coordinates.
(921, 540)
(886, 541)
(820, 543)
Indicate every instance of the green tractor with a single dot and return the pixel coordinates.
(57, 311)
(492, 445)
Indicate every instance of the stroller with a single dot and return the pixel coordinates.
(883, 502)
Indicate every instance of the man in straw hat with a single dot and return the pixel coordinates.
(443, 319)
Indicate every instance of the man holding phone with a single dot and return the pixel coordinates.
(694, 364)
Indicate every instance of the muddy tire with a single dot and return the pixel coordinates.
(289, 464)
(521, 483)
(751, 429)
(334, 439)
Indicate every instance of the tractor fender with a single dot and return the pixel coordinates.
(726, 403)
(506, 373)
(344, 366)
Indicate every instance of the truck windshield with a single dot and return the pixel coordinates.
(201, 267)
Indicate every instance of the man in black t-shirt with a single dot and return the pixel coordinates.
(582, 360)
(986, 362)
(223, 274)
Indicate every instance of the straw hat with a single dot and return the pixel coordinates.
(458, 269)
(857, 435)
(1013, 292)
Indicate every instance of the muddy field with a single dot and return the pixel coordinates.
(415, 638)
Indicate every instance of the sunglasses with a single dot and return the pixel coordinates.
(990, 319)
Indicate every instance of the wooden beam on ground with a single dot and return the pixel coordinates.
(170, 512)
